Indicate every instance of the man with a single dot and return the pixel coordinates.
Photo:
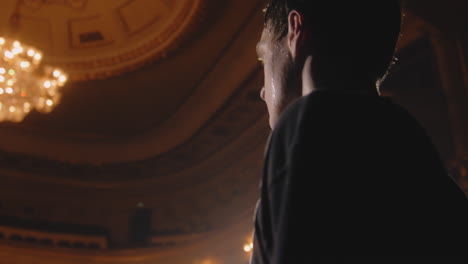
(347, 172)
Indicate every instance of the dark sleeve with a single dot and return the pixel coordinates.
(298, 218)
(262, 229)
(283, 219)
(260, 239)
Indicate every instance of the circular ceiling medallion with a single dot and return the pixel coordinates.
(95, 39)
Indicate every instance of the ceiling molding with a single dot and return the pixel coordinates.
(206, 97)
(241, 111)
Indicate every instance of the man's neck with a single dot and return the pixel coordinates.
(341, 84)
(350, 88)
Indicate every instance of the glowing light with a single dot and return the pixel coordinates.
(9, 54)
(62, 78)
(28, 83)
(37, 56)
(17, 50)
(248, 247)
(27, 107)
(209, 260)
(25, 64)
(47, 84)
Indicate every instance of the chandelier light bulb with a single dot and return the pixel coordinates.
(9, 54)
(25, 64)
(37, 56)
(27, 84)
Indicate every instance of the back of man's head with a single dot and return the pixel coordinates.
(348, 39)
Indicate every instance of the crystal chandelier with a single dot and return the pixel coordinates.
(26, 84)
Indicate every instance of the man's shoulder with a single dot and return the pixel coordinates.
(301, 108)
(332, 108)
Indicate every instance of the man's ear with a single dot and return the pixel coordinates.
(295, 32)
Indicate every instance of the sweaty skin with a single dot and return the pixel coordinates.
(276, 61)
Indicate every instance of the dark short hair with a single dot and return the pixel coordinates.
(359, 35)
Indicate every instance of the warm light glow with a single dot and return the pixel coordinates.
(62, 78)
(248, 247)
(47, 84)
(209, 260)
(25, 64)
(17, 50)
(30, 84)
(9, 54)
(37, 56)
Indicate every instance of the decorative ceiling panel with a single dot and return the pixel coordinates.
(99, 39)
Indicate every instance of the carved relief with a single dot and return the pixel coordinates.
(137, 15)
(88, 32)
(93, 40)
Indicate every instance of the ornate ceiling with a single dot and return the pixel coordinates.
(163, 114)
(100, 39)
(147, 112)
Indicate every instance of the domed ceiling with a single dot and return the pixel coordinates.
(142, 113)
(99, 39)
(162, 116)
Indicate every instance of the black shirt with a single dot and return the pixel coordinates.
(349, 174)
